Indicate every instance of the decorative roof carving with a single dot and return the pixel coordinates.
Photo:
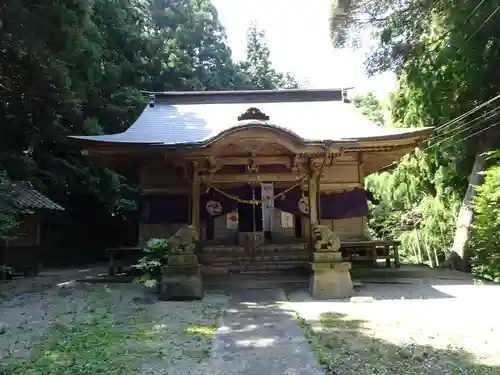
(253, 113)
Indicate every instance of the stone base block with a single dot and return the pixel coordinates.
(181, 288)
(329, 284)
(327, 257)
(181, 270)
(182, 260)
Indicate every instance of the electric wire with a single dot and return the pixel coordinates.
(492, 113)
(454, 121)
(483, 24)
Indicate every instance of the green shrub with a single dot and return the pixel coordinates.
(155, 255)
(485, 241)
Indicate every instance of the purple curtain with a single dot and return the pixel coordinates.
(173, 208)
(344, 205)
(288, 202)
(332, 206)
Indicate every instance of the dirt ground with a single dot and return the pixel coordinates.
(408, 326)
(100, 328)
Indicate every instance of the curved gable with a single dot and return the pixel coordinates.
(258, 133)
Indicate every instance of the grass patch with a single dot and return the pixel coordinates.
(111, 335)
(203, 331)
(97, 344)
(201, 336)
(344, 347)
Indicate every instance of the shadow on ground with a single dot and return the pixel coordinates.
(344, 347)
(381, 291)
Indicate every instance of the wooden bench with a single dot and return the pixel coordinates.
(371, 250)
(116, 255)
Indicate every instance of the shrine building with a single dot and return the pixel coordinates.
(252, 170)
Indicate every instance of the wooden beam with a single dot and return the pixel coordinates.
(169, 190)
(243, 178)
(361, 172)
(312, 191)
(195, 199)
(258, 160)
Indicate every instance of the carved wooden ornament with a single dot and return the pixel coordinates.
(253, 114)
(304, 205)
(214, 207)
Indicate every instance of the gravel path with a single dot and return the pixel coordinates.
(425, 327)
(256, 337)
(108, 329)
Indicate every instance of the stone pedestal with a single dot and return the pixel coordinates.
(181, 283)
(331, 277)
(331, 280)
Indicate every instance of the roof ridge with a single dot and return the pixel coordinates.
(246, 96)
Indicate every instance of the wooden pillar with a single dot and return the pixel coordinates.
(195, 199)
(313, 182)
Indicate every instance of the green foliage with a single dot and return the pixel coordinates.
(486, 232)
(257, 71)
(79, 69)
(400, 192)
(155, 255)
(8, 212)
(445, 56)
(372, 108)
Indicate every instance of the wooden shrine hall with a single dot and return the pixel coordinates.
(252, 171)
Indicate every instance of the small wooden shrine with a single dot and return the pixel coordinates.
(21, 251)
(252, 170)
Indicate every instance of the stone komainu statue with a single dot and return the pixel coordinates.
(325, 239)
(184, 241)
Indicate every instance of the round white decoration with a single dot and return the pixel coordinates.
(304, 205)
(213, 207)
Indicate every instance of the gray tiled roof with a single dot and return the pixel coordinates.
(187, 118)
(27, 198)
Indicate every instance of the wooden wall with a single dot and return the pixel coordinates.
(163, 177)
(352, 228)
(28, 233)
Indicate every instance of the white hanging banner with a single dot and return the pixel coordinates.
(232, 220)
(267, 189)
(286, 220)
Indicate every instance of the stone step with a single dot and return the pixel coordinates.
(257, 265)
(223, 249)
(237, 258)
(272, 266)
(283, 247)
(267, 248)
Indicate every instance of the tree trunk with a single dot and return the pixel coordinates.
(419, 251)
(460, 255)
